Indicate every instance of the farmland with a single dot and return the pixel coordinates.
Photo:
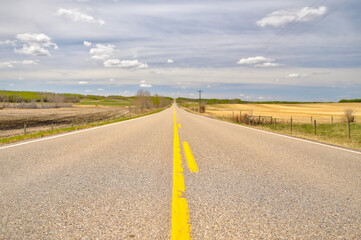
(12, 120)
(302, 113)
(30, 112)
(331, 126)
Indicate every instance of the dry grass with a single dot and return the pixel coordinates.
(301, 113)
(335, 133)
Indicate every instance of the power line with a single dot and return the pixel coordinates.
(288, 27)
(293, 38)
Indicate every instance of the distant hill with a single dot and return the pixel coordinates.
(36, 98)
(27, 97)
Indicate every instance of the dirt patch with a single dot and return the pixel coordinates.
(12, 120)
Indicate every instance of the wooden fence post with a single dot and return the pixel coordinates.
(291, 124)
(331, 119)
(52, 126)
(348, 129)
(314, 124)
(24, 128)
(271, 119)
(275, 122)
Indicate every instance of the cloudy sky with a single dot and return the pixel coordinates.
(252, 49)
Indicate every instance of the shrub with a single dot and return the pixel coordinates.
(349, 115)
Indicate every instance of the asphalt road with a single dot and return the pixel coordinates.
(115, 182)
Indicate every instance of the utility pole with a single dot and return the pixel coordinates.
(200, 98)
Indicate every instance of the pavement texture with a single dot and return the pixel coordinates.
(115, 182)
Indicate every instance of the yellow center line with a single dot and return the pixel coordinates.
(192, 165)
(181, 229)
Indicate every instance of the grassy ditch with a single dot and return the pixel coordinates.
(331, 133)
(74, 128)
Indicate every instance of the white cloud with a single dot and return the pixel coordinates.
(87, 44)
(143, 81)
(7, 42)
(111, 80)
(282, 17)
(10, 64)
(260, 98)
(27, 62)
(6, 65)
(170, 61)
(254, 60)
(110, 63)
(82, 82)
(145, 85)
(102, 52)
(77, 16)
(100, 89)
(268, 64)
(88, 91)
(35, 44)
(296, 75)
(258, 61)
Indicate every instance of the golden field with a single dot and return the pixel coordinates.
(302, 113)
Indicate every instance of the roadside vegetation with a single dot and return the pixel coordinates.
(25, 99)
(349, 100)
(336, 123)
(74, 128)
(25, 115)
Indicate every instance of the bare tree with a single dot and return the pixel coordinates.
(143, 100)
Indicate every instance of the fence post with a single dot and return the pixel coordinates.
(275, 122)
(314, 124)
(271, 119)
(348, 129)
(291, 124)
(24, 128)
(52, 126)
(331, 119)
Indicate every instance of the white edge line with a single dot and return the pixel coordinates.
(281, 135)
(71, 133)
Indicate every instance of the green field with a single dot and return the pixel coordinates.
(107, 101)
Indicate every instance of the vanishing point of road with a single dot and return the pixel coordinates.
(177, 175)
